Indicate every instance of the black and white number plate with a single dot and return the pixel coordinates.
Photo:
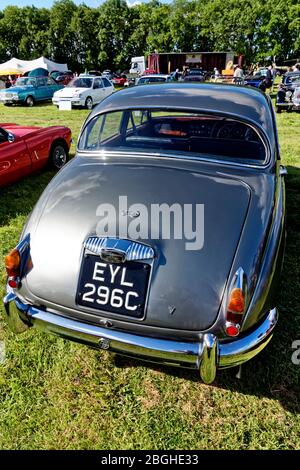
(112, 287)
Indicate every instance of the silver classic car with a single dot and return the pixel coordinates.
(163, 238)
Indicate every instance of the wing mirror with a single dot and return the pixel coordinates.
(10, 137)
(283, 171)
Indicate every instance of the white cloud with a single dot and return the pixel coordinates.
(132, 3)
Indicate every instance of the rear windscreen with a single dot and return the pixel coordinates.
(158, 131)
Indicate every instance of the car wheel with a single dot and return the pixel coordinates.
(89, 103)
(29, 101)
(278, 110)
(58, 156)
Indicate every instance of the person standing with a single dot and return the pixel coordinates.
(238, 75)
(216, 74)
(269, 78)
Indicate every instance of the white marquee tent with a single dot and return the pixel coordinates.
(16, 66)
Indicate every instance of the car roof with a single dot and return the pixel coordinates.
(240, 102)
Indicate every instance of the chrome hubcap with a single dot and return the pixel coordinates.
(59, 157)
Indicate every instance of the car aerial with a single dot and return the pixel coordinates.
(194, 75)
(153, 78)
(85, 90)
(29, 90)
(163, 238)
(26, 149)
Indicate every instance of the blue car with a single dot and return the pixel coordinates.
(29, 90)
(257, 80)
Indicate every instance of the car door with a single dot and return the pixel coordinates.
(15, 160)
(108, 87)
(39, 145)
(42, 91)
(98, 90)
(52, 87)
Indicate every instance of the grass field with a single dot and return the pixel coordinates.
(58, 394)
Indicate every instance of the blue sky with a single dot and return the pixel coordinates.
(49, 3)
(44, 3)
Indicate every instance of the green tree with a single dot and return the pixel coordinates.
(114, 32)
(84, 26)
(62, 45)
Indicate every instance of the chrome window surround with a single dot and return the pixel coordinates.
(262, 134)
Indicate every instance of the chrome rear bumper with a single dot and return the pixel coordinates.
(207, 355)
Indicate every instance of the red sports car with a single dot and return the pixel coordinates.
(120, 80)
(25, 149)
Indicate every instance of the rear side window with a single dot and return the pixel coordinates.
(178, 133)
(100, 130)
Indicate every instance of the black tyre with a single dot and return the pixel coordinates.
(58, 156)
(89, 103)
(29, 101)
(278, 109)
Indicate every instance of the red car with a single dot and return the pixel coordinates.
(25, 149)
(119, 81)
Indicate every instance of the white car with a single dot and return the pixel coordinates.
(86, 90)
(153, 78)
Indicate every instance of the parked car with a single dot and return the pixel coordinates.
(131, 79)
(30, 90)
(119, 80)
(167, 228)
(64, 78)
(26, 149)
(258, 79)
(86, 90)
(194, 75)
(290, 80)
(94, 72)
(108, 74)
(287, 99)
(153, 78)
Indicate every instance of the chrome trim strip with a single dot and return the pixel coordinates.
(206, 355)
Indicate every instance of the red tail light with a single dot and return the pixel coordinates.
(236, 306)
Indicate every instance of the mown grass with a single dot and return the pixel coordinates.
(58, 394)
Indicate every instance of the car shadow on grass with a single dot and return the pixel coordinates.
(272, 373)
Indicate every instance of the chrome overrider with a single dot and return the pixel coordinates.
(207, 355)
